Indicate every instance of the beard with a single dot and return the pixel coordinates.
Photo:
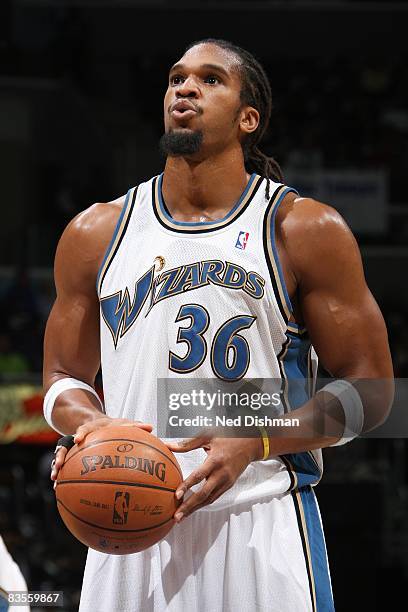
(178, 143)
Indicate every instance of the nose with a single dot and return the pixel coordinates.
(188, 89)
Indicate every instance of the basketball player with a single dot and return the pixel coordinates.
(214, 252)
(13, 587)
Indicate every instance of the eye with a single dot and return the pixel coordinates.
(176, 79)
(211, 79)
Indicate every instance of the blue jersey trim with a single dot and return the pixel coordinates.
(201, 223)
(4, 606)
(111, 243)
(274, 248)
(303, 468)
(294, 367)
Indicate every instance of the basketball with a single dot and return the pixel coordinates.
(116, 490)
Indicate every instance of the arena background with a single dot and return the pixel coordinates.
(81, 87)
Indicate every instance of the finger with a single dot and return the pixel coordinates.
(146, 426)
(187, 445)
(82, 431)
(126, 423)
(87, 428)
(58, 462)
(91, 426)
(218, 492)
(210, 491)
(195, 477)
(210, 499)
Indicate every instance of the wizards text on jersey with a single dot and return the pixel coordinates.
(120, 312)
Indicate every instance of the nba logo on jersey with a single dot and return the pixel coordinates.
(242, 240)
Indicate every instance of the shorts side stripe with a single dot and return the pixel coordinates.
(297, 500)
(316, 549)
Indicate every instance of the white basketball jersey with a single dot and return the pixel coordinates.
(12, 582)
(173, 294)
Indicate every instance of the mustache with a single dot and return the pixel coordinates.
(196, 107)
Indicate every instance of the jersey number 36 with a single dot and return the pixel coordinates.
(229, 354)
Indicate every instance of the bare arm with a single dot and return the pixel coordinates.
(344, 321)
(72, 345)
(325, 272)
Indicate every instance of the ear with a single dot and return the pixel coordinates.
(249, 120)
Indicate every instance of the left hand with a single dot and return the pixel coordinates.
(227, 459)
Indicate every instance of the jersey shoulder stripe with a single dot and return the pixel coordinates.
(271, 252)
(119, 232)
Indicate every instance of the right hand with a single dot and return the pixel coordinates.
(84, 430)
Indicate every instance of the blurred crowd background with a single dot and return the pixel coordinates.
(81, 88)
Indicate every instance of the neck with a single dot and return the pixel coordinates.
(204, 190)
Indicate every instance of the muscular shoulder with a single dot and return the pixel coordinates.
(85, 240)
(97, 223)
(312, 233)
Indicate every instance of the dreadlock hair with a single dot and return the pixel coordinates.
(256, 92)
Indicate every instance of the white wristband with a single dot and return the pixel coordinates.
(352, 405)
(61, 385)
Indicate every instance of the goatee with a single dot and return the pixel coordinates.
(178, 143)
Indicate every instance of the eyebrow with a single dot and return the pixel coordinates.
(215, 67)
